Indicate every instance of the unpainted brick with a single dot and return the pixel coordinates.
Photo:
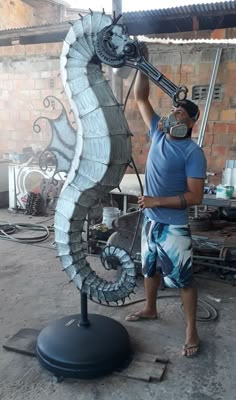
(221, 127)
(228, 115)
(219, 150)
(19, 50)
(218, 34)
(216, 163)
(207, 151)
(223, 139)
(214, 114)
(232, 128)
(231, 66)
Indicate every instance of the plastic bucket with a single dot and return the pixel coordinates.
(226, 176)
(229, 178)
(233, 180)
(109, 214)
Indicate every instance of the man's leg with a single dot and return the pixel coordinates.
(149, 310)
(176, 243)
(189, 299)
(151, 286)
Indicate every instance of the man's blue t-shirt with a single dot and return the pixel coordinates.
(170, 162)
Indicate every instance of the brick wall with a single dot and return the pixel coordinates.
(29, 73)
(15, 14)
(192, 65)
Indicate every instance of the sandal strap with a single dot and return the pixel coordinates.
(191, 346)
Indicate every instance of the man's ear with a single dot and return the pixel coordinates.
(191, 123)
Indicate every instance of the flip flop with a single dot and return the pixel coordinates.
(138, 317)
(187, 347)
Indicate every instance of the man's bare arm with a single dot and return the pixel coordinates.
(141, 95)
(193, 197)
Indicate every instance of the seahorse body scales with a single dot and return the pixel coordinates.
(102, 153)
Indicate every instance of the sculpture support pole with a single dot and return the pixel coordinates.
(84, 310)
(116, 81)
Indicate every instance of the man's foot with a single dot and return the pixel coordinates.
(140, 315)
(191, 350)
(192, 342)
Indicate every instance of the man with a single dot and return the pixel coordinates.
(174, 180)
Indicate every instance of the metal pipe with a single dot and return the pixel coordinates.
(117, 7)
(208, 258)
(209, 97)
(116, 81)
(211, 265)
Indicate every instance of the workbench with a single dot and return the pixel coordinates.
(211, 200)
(130, 186)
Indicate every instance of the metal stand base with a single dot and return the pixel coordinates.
(69, 347)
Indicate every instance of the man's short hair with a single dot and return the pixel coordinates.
(191, 108)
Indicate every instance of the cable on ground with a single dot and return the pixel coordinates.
(6, 235)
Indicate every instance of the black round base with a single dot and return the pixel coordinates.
(69, 350)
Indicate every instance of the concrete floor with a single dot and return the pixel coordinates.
(34, 291)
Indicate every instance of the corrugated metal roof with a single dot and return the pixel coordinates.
(194, 9)
(186, 41)
(152, 22)
(180, 19)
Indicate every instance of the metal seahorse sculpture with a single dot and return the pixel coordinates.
(96, 154)
(100, 150)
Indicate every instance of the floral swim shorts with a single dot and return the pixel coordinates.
(167, 249)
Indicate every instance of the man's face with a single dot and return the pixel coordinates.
(182, 116)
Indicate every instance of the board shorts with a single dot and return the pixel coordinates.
(167, 249)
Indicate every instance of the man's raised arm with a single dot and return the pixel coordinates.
(141, 95)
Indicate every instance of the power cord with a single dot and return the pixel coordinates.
(209, 310)
(6, 235)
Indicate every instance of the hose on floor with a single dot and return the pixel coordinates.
(7, 230)
(210, 312)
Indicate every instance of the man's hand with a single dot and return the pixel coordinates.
(143, 49)
(147, 202)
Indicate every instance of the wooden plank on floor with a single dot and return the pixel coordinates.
(144, 371)
(140, 356)
(24, 342)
